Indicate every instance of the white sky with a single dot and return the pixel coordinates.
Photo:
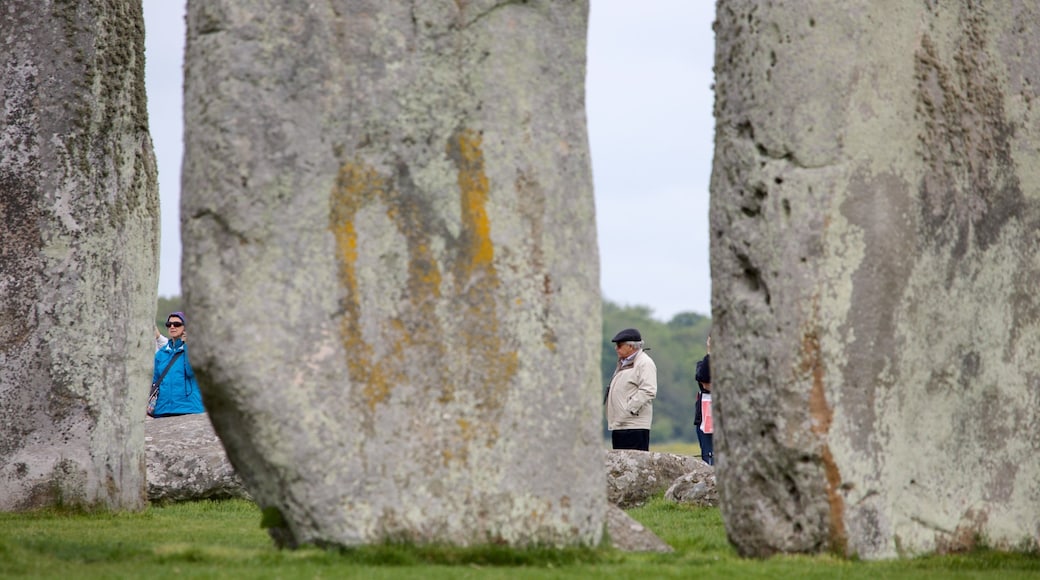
(649, 103)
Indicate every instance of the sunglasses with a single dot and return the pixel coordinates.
(174, 324)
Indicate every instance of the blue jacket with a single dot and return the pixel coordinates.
(179, 393)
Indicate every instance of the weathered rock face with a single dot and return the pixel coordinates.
(875, 216)
(390, 257)
(628, 535)
(634, 476)
(697, 487)
(186, 461)
(78, 254)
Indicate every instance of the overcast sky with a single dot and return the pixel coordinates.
(649, 101)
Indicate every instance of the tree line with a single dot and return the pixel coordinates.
(675, 346)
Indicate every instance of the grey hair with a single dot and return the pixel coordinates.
(636, 343)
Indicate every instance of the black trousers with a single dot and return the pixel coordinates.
(707, 447)
(638, 439)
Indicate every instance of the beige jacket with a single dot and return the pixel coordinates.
(632, 390)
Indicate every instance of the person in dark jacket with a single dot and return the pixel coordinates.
(178, 393)
(703, 378)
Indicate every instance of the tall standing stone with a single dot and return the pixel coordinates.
(875, 258)
(390, 266)
(79, 249)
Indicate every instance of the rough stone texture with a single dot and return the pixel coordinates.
(697, 487)
(186, 461)
(875, 222)
(79, 251)
(628, 535)
(634, 476)
(389, 258)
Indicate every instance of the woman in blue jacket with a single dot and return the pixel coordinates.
(178, 393)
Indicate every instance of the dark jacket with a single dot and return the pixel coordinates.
(703, 376)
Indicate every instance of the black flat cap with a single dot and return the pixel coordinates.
(627, 335)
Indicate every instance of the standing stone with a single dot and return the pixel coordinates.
(391, 270)
(875, 240)
(79, 249)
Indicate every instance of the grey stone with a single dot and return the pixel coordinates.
(186, 461)
(875, 219)
(697, 487)
(389, 258)
(79, 250)
(628, 535)
(634, 476)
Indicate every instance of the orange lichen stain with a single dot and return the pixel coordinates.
(839, 539)
(812, 365)
(822, 416)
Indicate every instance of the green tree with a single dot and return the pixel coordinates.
(675, 346)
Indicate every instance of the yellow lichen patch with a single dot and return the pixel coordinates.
(474, 371)
(493, 365)
(356, 185)
(424, 271)
(465, 435)
(473, 185)
(359, 185)
(492, 434)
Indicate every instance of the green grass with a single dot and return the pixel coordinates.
(677, 447)
(224, 540)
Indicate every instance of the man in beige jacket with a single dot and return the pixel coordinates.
(632, 390)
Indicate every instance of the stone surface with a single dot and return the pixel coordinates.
(186, 461)
(389, 257)
(628, 535)
(697, 487)
(79, 250)
(634, 476)
(875, 209)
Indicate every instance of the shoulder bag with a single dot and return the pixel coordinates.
(154, 394)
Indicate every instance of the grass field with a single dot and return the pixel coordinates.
(677, 447)
(224, 540)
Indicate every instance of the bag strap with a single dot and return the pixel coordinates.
(162, 375)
